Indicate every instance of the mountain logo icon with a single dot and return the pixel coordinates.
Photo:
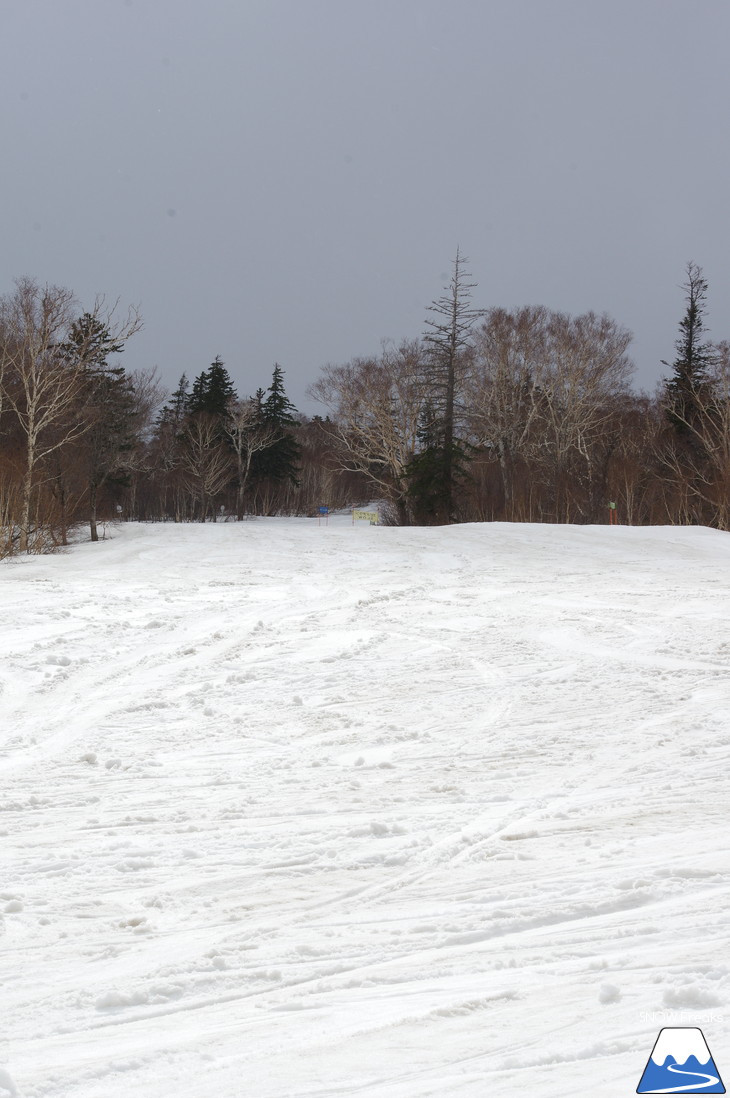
(680, 1063)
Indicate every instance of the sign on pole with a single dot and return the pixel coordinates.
(371, 516)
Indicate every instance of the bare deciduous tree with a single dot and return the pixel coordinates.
(542, 391)
(43, 382)
(510, 358)
(248, 435)
(206, 461)
(589, 368)
(376, 404)
(148, 395)
(42, 385)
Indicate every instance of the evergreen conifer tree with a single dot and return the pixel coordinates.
(169, 426)
(695, 355)
(109, 407)
(90, 341)
(212, 391)
(426, 489)
(278, 462)
(440, 465)
(174, 412)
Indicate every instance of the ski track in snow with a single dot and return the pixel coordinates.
(303, 811)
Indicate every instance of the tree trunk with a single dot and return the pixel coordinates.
(92, 511)
(63, 503)
(505, 468)
(27, 492)
(401, 505)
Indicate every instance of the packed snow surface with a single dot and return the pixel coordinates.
(290, 810)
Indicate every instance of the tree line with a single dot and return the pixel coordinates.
(528, 415)
(522, 414)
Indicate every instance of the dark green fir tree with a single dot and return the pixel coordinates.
(173, 413)
(439, 467)
(432, 475)
(280, 461)
(686, 389)
(109, 407)
(212, 391)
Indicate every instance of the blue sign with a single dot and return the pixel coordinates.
(324, 510)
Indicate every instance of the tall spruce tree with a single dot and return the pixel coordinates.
(175, 410)
(279, 462)
(109, 407)
(440, 465)
(426, 488)
(169, 426)
(695, 355)
(212, 391)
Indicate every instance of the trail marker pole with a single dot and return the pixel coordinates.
(326, 512)
(612, 516)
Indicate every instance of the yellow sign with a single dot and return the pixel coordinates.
(372, 515)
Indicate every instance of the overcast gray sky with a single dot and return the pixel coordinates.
(287, 180)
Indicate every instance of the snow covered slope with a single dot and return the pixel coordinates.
(300, 811)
